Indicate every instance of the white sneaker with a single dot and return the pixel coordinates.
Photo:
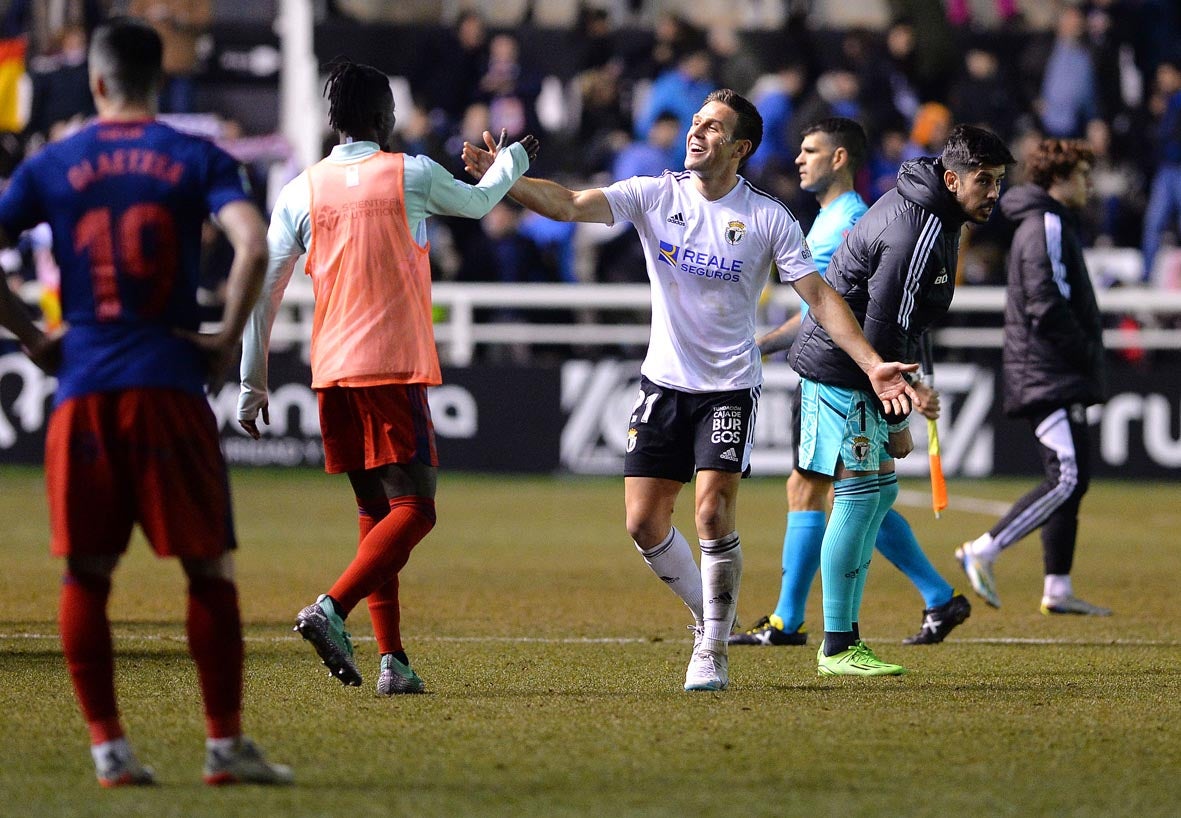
(1071, 605)
(979, 573)
(244, 763)
(708, 670)
(118, 767)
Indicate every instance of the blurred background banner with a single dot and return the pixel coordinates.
(572, 419)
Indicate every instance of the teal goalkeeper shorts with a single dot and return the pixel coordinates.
(839, 426)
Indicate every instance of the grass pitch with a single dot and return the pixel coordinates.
(554, 663)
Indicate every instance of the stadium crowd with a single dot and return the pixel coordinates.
(609, 86)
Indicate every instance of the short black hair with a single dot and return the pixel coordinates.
(969, 147)
(357, 95)
(129, 55)
(843, 133)
(750, 121)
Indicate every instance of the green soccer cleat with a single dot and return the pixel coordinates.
(769, 631)
(319, 624)
(979, 573)
(244, 763)
(396, 677)
(1071, 605)
(858, 660)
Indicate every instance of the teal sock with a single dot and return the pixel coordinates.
(887, 494)
(855, 501)
(801, 561)
(897, 543)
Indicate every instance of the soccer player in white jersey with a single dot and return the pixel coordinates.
(710, 239)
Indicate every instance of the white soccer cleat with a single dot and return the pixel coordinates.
(1071, 605)
(979, 573)
(708, 670)
(244, 763)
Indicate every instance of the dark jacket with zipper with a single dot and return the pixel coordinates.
(1053, 352)
(896, 270)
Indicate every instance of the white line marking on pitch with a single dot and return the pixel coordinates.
(626, 640)
(974, 505)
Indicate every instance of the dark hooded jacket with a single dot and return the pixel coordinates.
(1053, 353)
(896, 270)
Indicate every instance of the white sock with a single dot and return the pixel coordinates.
(672, 561)
(983, 548)
(1058, 586)
(721, 574)
(118, 747)
(221, 745)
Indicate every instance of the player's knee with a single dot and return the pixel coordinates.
(806, 493)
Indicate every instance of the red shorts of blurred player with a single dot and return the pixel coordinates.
(365, 427)
(144, 455)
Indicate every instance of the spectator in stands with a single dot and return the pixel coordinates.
(736, 66)
(959, 12)
(603, 124)
(454, 65)
(1113, 213)
(837, 93)
(982, 95)
(679, 91)
(886, 158)
(652, 156)
(928, 131)
(1164, 198)
(47, 21)
(889, 85)
(509, 89)
(181, 24)
(61, 97)
(1068, 98)
(775, 96)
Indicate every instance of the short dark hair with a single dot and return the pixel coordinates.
(843, 133)
(970, 147)
(357, 95)
(750, 121)
(129, 56)
(1054, 159)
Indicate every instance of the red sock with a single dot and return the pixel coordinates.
(89, 652)
(215, 643)
(386, 614)
(384, 551)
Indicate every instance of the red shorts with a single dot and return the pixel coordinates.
(150, 456)
(369, 426)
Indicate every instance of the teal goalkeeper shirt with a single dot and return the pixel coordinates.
(833, 223)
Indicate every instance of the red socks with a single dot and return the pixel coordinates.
(383, 552)
(215, 643)
(86, 643)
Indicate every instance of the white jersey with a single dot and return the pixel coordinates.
(707, 262)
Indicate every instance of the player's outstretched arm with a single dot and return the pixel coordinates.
(541, 195)
(832, 313)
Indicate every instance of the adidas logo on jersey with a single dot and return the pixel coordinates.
(677, 218)
(729, 454)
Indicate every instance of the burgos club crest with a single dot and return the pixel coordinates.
(735, 232)
(860, 447)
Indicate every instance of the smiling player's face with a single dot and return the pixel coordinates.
(710, 146)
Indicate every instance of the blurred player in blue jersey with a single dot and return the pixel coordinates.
(132, 438)
(831, 152)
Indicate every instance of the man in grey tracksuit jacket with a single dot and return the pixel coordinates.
(1053, 370)
(896, 270)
